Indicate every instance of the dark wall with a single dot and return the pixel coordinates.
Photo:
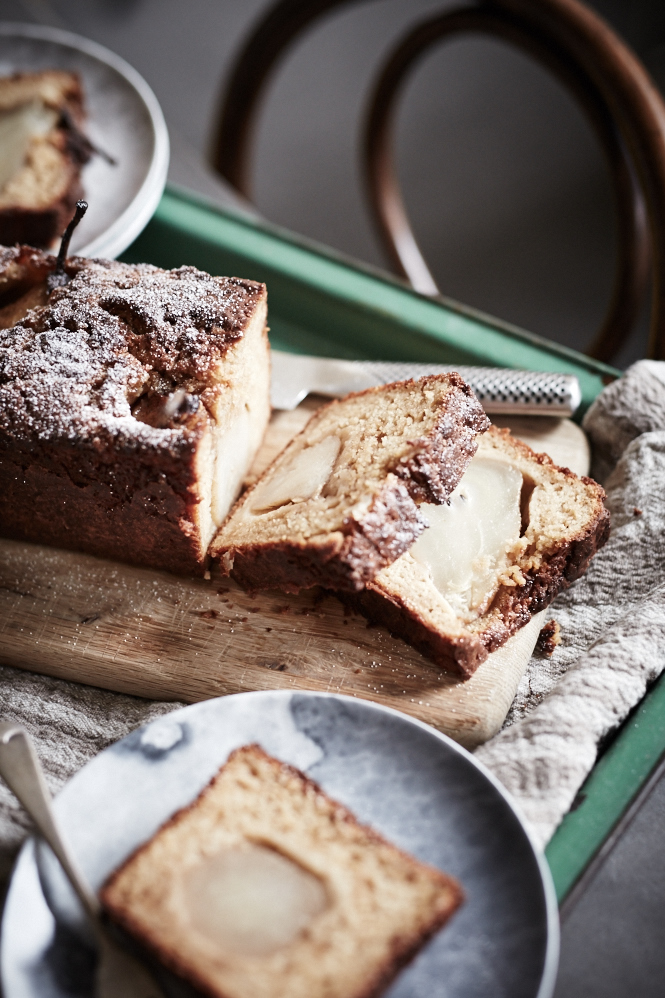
(507, 190)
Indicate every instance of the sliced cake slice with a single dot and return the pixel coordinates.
(132, 403)
(341, 501)
(517, 531)
(42, 150)
(265, 887)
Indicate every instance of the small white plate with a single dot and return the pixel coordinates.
(414, 785)
(124, 119)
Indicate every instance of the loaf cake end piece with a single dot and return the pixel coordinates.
(132, 402)
(265, 887)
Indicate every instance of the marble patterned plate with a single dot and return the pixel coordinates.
(124, 119)
(416, 786)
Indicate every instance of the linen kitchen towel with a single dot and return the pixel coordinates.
(612, 619)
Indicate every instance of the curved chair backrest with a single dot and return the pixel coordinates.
(613, 88)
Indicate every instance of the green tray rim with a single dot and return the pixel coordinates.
(607, 793)
(343, 262)
(623, 769)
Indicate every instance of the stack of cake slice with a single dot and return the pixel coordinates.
(342, 500)
(464, 552)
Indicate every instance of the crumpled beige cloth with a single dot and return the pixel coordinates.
(612, 620)
(69, 724)
(613, 623)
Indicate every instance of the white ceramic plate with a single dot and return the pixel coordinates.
(124, 119)
(418, 787)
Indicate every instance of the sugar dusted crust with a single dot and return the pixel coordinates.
(384, 904)
(567, 525)
(86, 462)
(345, 558)
(403, 444)
(433, 466)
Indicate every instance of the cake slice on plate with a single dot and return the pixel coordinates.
(42, 150)
(132, 402)
(341, 501)
(265, 887)
(517, 531)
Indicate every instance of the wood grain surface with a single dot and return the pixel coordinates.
(155, 635)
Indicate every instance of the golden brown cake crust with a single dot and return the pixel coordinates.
(514, 605)
(78, 466)
(403, 946)
(347, 560)
(460, 655)
(431, 473)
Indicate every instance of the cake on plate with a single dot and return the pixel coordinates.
(264, 887)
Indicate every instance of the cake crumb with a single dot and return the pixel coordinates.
(549, 638)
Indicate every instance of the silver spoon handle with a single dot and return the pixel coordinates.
(22, 772)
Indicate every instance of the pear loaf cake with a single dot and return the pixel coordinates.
(517, 531)
(42, 150)
(341, 501)
(265, 887)
(132, 403)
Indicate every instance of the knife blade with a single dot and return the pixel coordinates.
(499, 389)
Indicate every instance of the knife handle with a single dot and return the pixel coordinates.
(498, 389)
(502, 390)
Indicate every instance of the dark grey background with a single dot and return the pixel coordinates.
(612, 939)
(510, 199)
(505, 184)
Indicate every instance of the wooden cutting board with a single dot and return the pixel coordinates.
(156, 635)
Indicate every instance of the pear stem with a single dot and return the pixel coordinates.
(58, 278)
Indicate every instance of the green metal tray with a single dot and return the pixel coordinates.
(323, 303)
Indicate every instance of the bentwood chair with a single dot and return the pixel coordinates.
(609, 82)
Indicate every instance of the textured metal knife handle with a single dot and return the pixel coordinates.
(498, 389)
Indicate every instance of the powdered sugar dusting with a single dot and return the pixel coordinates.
(71, 370)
